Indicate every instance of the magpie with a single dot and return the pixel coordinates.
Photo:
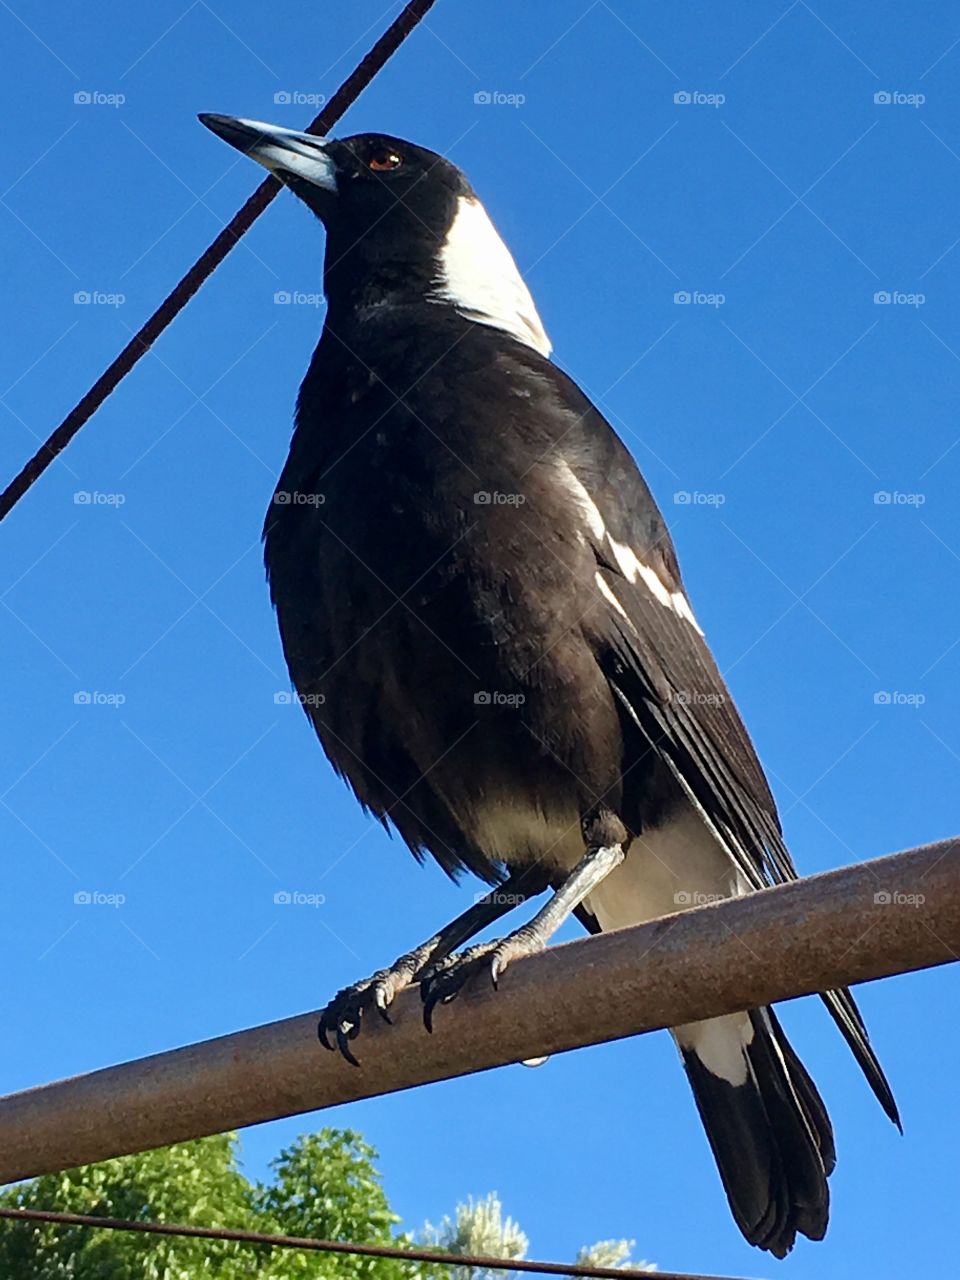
(483, 616)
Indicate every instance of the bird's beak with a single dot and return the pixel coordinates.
(283, 151)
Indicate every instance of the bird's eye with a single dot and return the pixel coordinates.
(384, 160)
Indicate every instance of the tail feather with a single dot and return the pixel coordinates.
(846, 1015)
(768, 1129)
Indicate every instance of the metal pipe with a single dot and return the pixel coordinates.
(867, 921)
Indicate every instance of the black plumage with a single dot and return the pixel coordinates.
(482, 612)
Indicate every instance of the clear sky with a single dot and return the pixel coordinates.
(784, 198)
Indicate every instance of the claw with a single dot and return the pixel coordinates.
(342, 1038)
(428, 1018)
(322, 1030)
(380, 1000)
(429, 1004)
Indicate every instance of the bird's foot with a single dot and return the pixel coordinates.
(443, 981)
(343, 1015)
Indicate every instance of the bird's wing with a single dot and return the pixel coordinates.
(658, 664)
(656, 659)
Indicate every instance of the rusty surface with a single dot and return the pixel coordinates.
(867, 921)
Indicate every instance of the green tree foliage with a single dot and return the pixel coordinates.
(325, 1185)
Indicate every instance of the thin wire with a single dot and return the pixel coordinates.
(208, 261)
(339, 1246)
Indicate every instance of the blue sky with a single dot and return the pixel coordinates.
(786, 201)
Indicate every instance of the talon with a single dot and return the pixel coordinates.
(343, 1045)
(431, 999)
(322, 1030)
(380, 1000)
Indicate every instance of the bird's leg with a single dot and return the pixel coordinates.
(443, 979)
(342, 1016)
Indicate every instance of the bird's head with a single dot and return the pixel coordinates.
(403, 224)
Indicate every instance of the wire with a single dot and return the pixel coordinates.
(209, 260)
(339, 1246)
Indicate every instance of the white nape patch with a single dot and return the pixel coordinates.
(583, 500)
(479, 276)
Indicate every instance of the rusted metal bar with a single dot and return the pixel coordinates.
(867, 921)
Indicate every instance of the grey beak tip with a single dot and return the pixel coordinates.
(211, 120)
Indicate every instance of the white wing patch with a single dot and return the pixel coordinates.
(630, 565)
(682, 605)
(632, 568)
(607, 593)
(479, 276)
(588, 507)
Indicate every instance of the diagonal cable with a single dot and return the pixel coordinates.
(410, 17)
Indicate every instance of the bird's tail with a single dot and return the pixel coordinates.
(766, 1124)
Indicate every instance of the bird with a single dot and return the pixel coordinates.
(483, 616)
